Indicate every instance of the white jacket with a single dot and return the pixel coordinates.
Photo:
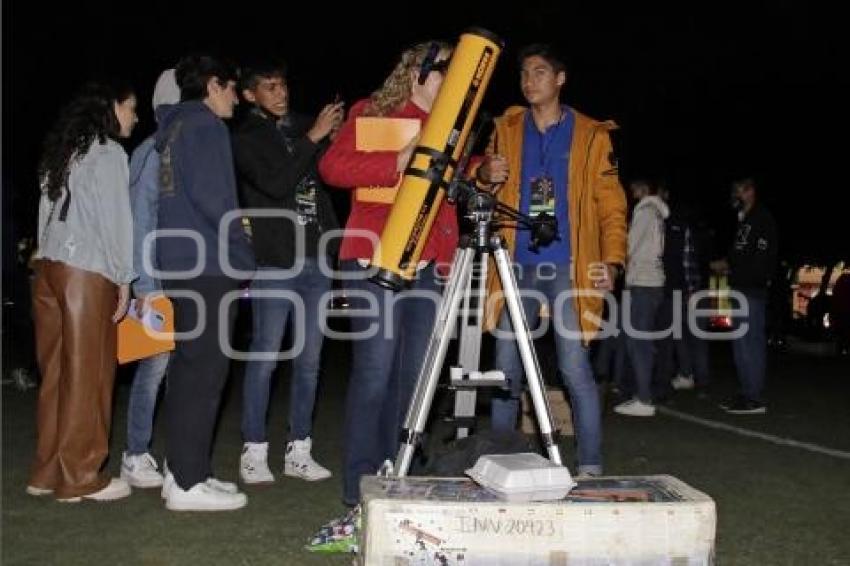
(644, 266)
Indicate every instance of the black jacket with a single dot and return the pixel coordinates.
(752, 259)
(271, 162)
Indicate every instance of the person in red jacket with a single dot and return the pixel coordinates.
(388, 346)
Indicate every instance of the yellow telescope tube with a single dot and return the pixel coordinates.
(435, 158)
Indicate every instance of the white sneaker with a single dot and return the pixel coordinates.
(202, 497)
(635, 408)
(299, 464)
(254, 464)
(213, 483)
(115, 489)
(223, 486)
(38, 491)
(681, 382)
(140, 470)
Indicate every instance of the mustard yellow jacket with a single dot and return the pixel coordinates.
(597, 209)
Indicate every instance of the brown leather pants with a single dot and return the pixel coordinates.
(76, 351)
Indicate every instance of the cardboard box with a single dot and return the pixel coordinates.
(642, 520)
(560, 412)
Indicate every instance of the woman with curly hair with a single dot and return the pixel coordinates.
(83, 268)
(387, 349)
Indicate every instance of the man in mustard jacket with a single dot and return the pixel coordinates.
(549, 158)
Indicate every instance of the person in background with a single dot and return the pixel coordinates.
(644, 292)
(751, 265)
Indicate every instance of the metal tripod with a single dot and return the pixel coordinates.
(482, 243)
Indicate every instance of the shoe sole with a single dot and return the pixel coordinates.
(189, 507)
(141, 484)
(625, 414)
(761, 411)
(38, 491)
(305, 478)
(256, 482)
(104, 499)
(248, 481)
(114, 496)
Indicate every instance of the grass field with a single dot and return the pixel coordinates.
(776, 504)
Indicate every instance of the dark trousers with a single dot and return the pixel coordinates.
(686, 355)
(750, 350)
(645, 302)
(196, 378)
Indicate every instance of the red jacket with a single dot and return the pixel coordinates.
(345, 167)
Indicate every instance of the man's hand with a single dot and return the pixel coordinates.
(494, 170)
(123, 301)
(405, 154)
(609, 277)
(144, 300)
(327, 122)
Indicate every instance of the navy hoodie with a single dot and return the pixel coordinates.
(202, 192)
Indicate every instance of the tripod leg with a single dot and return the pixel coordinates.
(529, 357)
(469, 345)
(432, 364)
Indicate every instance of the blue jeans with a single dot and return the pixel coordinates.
(143, 393)
(270, 318)
(573, 364)
(750, 350)
(644, 311)
(384, 369)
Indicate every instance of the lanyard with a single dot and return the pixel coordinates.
(545, 145)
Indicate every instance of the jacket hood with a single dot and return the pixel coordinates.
(656, 202)
(166, 115)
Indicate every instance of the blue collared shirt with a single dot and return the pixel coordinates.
(546, 154)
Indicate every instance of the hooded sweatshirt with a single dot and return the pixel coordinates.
(197, 144)
(645, 266)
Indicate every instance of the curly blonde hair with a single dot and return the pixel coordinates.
(398, 86)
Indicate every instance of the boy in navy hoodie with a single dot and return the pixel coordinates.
(200, 271)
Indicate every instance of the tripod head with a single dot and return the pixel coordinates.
(485, 212)
(488, 215)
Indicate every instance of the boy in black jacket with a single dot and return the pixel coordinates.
(751, 265)
(276, 153)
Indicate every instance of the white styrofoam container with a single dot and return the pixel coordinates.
(524, 476)
(645, 520)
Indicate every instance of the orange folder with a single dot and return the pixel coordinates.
(382, 134)
(153, 334)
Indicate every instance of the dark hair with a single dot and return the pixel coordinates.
(545, 51)
(89, 116)
(651, 186)
(193, 72)
(746, 182)
(253, 73)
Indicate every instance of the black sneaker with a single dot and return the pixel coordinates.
(744, 406)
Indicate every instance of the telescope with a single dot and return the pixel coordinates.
(434, 162)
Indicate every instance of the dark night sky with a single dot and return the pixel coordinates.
(701, 94)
